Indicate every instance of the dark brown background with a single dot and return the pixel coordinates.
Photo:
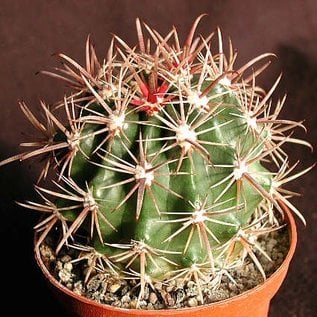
(30, 31)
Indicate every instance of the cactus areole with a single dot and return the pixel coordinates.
(167, 159)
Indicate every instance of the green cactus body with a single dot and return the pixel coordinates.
(152, 183)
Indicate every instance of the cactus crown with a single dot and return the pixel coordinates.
(167, 158)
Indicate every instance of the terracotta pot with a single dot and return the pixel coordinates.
(254, 302)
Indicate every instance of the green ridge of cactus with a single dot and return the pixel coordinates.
(166, 157)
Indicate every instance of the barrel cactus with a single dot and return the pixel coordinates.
(165, 160)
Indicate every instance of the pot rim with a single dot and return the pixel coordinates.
(152, 312)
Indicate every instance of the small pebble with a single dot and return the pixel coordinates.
(192, 302)
(152, 298)
(68, 266)
(158, 286)
(125, 299)
(114, 288)
(66, 258)
(65, 276)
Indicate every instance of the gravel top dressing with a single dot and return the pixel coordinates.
(180, 292)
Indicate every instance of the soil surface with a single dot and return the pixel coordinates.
(177, 293)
